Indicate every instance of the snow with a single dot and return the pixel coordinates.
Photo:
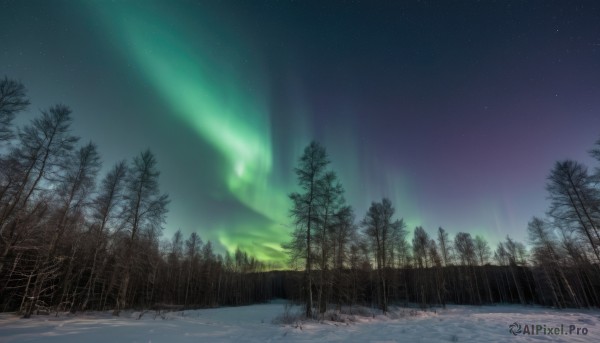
(254, 323)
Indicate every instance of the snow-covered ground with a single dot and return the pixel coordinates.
(487, 324)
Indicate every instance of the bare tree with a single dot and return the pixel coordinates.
(305, 212)
(482, 250)
(574, 201)
(381, 229)
(145, 210)
(515, 253)
(41, 153)
(75, 188)
(546, 253)
(193, 245)
(329, 203)
(106, 208)
(420, 243)
(74, 192)
(344, 231)
(445, 246)
(175, 267)
(465, 250)
(483, 254)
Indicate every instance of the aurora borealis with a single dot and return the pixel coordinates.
(456, 111)
(209, 95)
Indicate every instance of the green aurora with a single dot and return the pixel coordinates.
(223, 100)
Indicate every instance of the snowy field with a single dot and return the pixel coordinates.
(255, 324)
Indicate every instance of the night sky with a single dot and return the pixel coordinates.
(455, 110)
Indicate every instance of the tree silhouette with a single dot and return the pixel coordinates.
(144, 211)
(574, 201)
(305, 212)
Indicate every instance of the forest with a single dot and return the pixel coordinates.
(74, 240)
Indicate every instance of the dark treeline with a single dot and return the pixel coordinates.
(371, 262)
(71, 239)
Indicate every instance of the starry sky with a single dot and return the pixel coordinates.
(455, 110)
